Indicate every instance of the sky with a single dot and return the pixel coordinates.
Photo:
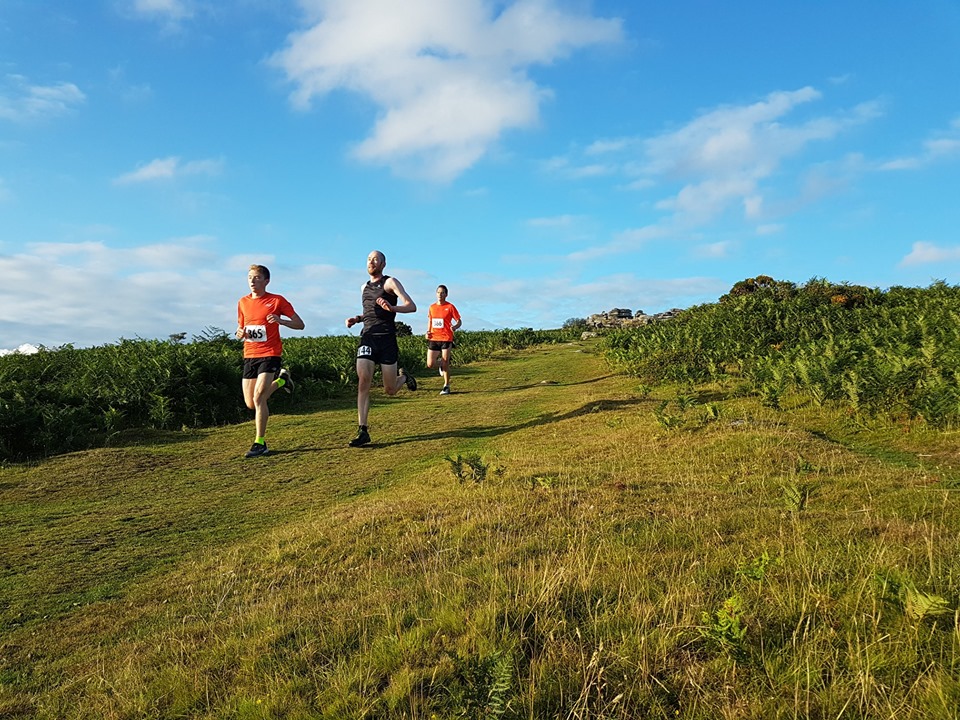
(544, 159)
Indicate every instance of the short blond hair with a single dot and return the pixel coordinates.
(263, 270)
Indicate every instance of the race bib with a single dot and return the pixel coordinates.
(256, 333)
(436, 323)
(364, 351)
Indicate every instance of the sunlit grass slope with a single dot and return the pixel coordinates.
(550, 541)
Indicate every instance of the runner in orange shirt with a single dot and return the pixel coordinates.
(442, 320)
(259, 317)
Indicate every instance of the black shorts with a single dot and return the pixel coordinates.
(254, 367)
(382, 349)
(438, 345)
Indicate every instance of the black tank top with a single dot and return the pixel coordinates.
(376, 320)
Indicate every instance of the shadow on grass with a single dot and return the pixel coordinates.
(543, 419)
(553, 383)
(147, 436)
(542, 383)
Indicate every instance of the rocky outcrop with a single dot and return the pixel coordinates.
(620, 317)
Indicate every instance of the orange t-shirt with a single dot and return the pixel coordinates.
(440, 319)
(263, 338)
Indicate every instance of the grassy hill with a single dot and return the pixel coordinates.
(550, 541)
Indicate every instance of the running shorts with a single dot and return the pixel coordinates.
(253, 367)
(381, 349)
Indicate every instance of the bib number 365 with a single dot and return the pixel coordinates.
(256, 333)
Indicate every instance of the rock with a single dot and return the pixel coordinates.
(620, 317)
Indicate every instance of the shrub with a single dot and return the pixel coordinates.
(892, 353)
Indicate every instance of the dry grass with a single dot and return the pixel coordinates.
(589, 575)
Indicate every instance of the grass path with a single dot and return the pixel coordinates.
(137, 507)
(724, 561)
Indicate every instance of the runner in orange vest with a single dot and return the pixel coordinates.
(442, 320)
(259, 317)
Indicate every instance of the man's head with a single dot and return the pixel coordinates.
(376, 261)
(257, 278)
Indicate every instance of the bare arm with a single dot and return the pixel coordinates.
(351, 321)
(294, 322)
(405, 304)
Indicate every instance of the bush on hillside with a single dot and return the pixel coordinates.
(895, 353)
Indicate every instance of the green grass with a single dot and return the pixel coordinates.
(743, 562)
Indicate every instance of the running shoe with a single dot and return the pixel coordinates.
(409, 379)
(362, 438)
(288, 383)
(257, 450)
(446, 390)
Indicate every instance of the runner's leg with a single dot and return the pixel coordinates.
(391, 382)
(445, 365)
(365, 370)
(262, 391)
(248, 385)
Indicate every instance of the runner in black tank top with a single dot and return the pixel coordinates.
(382, 298)
(377, 320)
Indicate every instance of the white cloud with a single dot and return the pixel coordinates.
(770, 229)
(173, 10)
(627, 241)
(169, 168)
(924, 253)
(131, 93)
(553, 222)
(602, 147)
(153, 291)
(23, 102)
(713, 251)
(449, 78)
(941, 145)
(563, 167)
(186, 285)
(593, 170)
(753, 206)
(25, 349)
(724, 154)
(933, 151)
(724, 159)
(641, 184)
(547, 303)
(700, 202)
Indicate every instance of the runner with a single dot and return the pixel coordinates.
(383, 297)
(259, 317)
(442, 320)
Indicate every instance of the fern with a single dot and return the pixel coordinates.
(502, 683)
(915, 604)
(724, 629)
(468, 468)
(795, 497)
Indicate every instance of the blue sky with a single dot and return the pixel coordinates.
(545, 159)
